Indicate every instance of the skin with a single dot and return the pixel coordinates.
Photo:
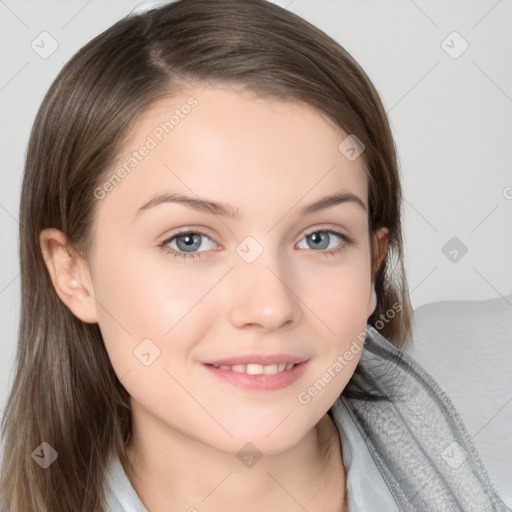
(266, 158)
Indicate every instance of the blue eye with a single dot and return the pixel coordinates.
(185, 244)
(320, 240)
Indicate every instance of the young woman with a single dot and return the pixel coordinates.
(213, 294)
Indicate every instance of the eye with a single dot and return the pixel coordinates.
(186, 244)
(328, 241)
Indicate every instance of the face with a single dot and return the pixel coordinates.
(236, 271)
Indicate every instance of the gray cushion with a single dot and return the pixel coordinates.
(467, 347)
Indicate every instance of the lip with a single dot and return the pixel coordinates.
(263, 359)
(263, 382)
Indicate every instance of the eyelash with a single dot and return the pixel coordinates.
(163, 245)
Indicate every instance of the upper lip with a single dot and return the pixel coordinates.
(263, 359)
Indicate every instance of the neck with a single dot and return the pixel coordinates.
(173, 472)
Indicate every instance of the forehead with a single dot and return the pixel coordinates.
(230, 145)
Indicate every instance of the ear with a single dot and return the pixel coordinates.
(69, 273)
(379, 241)
(380, 247)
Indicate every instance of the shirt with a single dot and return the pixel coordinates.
(365, 486)
(407, 450)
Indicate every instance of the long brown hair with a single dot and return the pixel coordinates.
(65, 391)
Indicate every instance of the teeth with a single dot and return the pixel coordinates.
(269, 370)
(257, 369)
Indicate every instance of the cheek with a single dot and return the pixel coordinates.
(338, 294)
(338, 299)
(150, 305)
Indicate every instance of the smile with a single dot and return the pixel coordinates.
(258, 377)
(257, 369)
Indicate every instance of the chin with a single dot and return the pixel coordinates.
(267, 437)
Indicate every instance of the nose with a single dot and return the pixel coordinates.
(262, 296)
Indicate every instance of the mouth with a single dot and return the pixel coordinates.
(259, 376)
(256, 369)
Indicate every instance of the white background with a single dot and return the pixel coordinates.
(451, 118)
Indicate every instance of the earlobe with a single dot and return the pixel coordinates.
(69, 275)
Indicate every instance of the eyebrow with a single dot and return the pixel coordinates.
(326, 202)
(226, 210)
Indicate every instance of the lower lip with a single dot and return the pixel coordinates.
(262, 382)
